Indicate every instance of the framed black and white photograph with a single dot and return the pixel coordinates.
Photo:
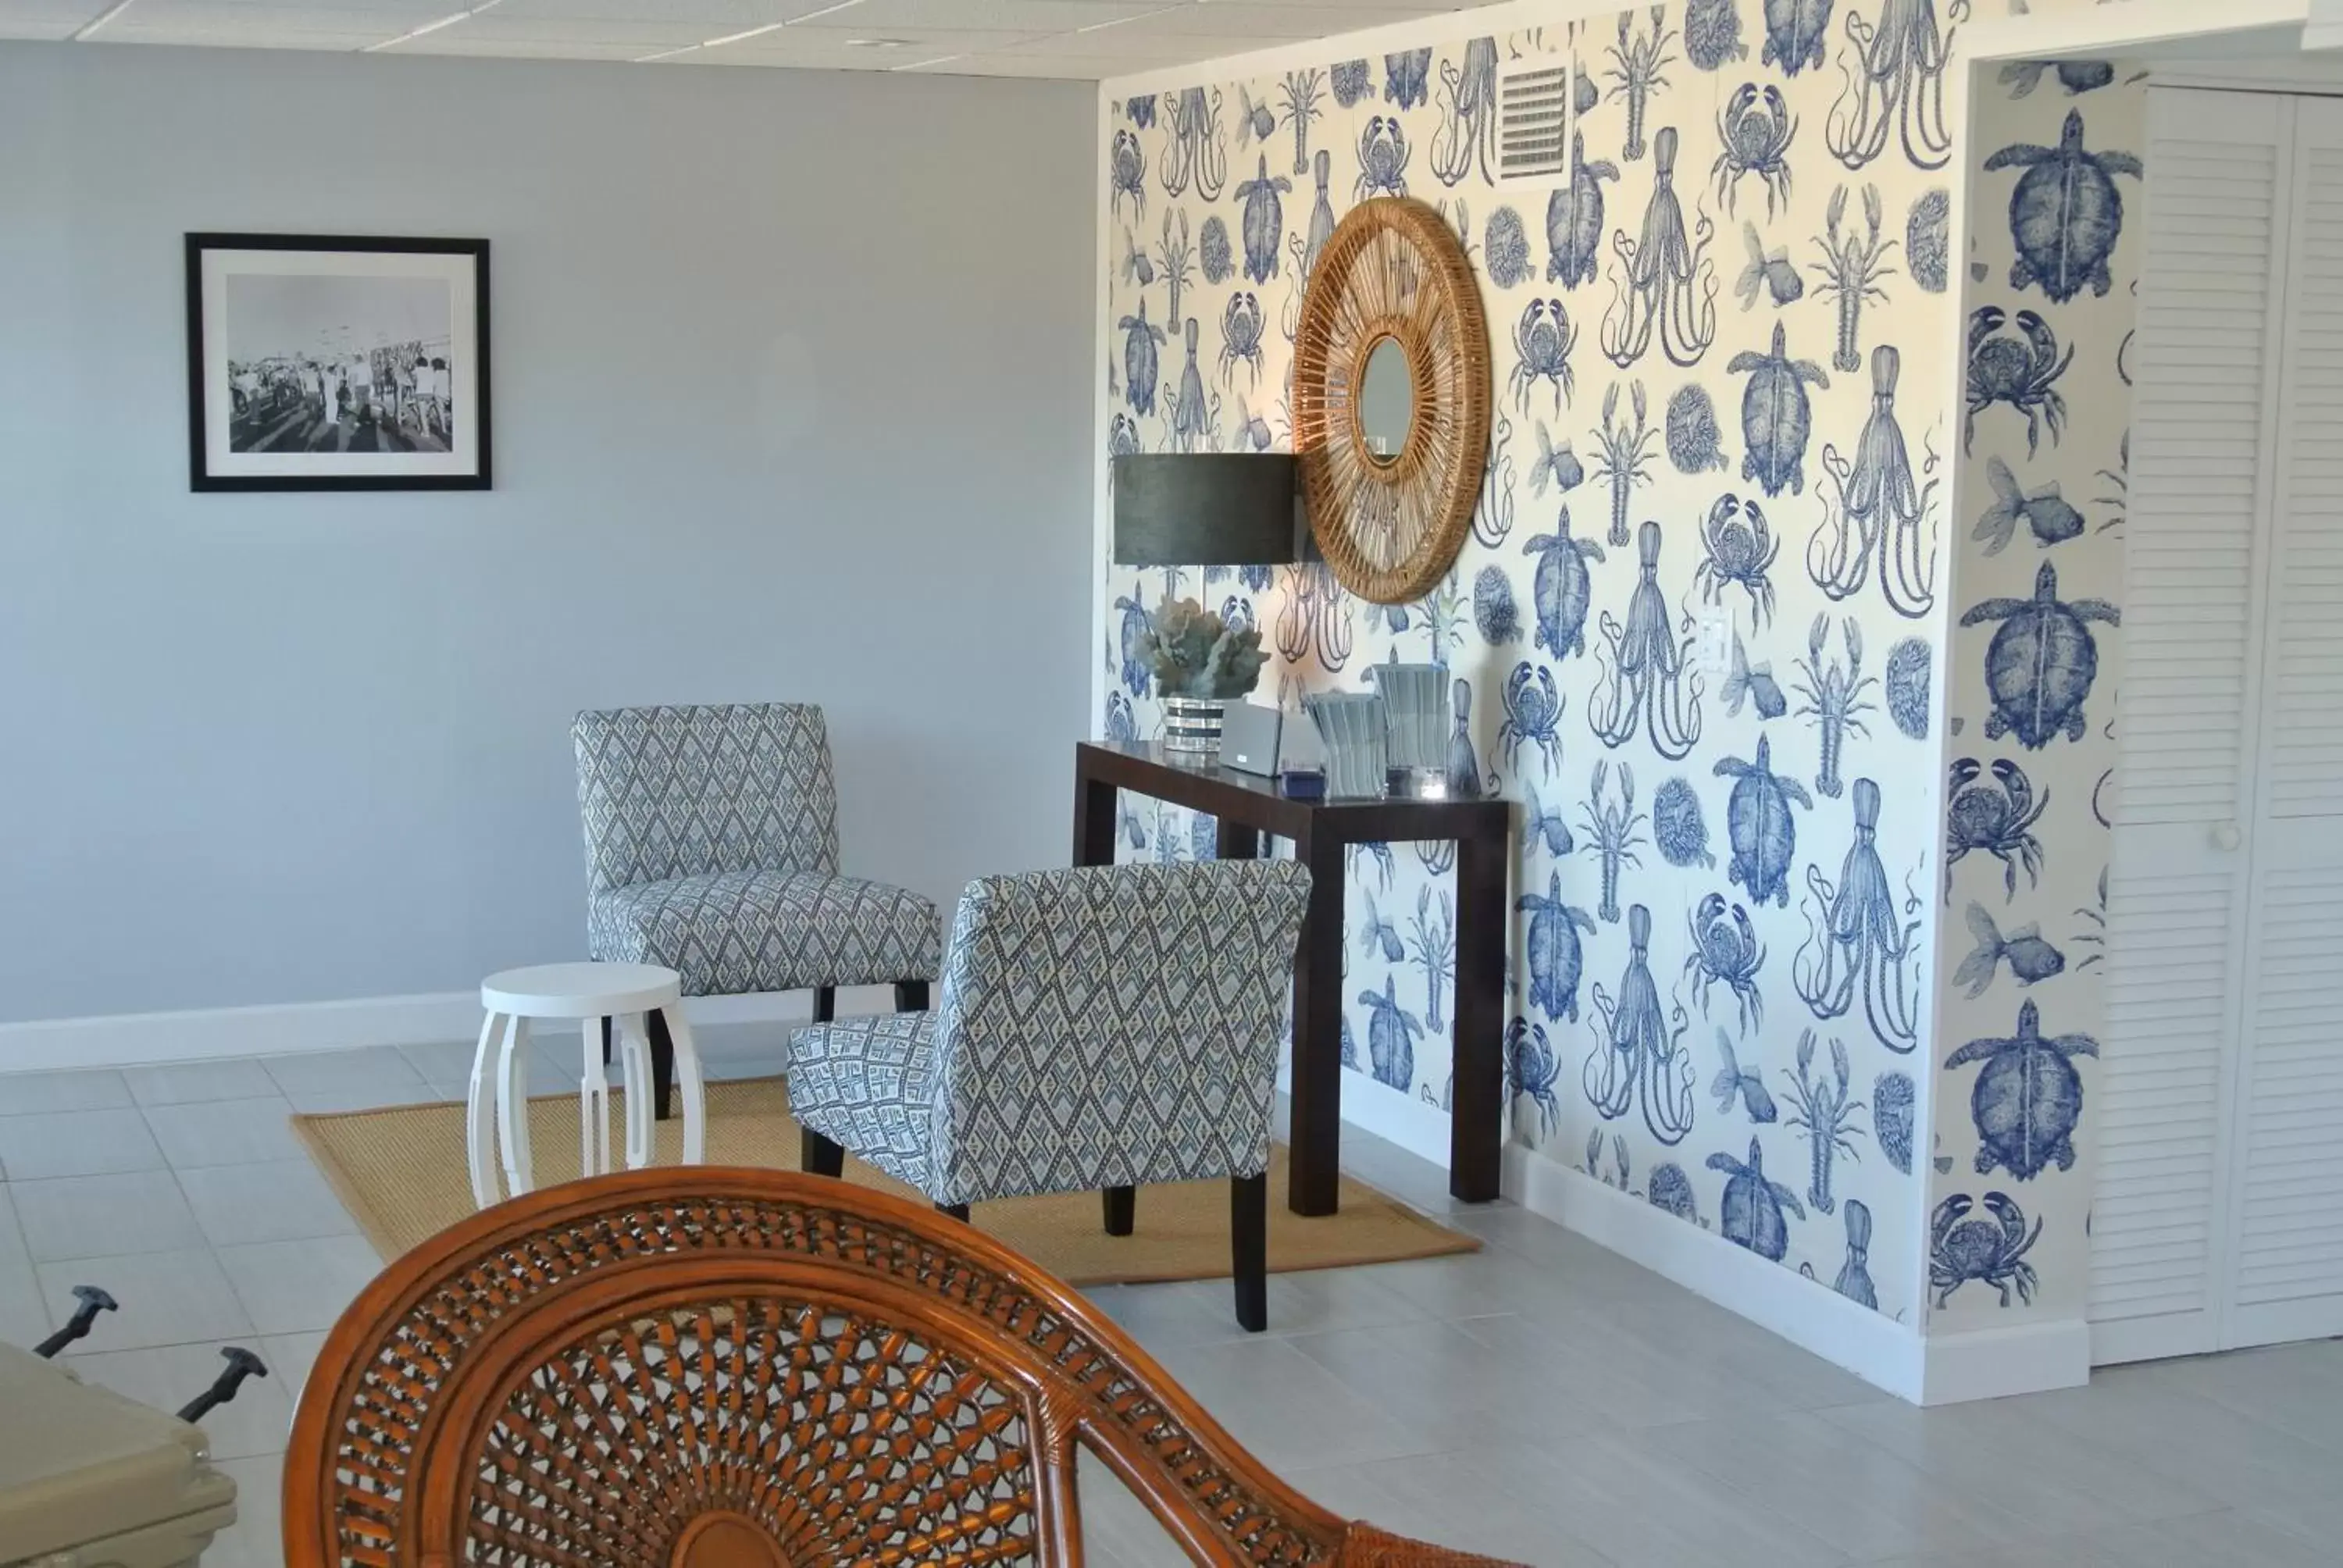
(337, 363)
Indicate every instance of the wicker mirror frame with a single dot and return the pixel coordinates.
(1391, 528)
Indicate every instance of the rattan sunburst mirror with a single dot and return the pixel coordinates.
(1389, 516)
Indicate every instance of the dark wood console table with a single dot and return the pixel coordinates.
(1246, 806)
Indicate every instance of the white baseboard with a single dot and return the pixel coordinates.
(1989, 1364)
(1417, 1126)
(133, 1040)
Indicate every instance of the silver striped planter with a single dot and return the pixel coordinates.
(1192, 729)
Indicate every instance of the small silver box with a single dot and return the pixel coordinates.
(1249, 737)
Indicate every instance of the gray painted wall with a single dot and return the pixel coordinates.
(792, 400)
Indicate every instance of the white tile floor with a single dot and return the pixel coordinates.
(1543, 1400)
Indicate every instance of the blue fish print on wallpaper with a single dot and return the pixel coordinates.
(1664, 286)
(1467, 135)
(1823, 1113)
(1353, 80)
(1540, 827)
(1695, 444)
(1726, 952)
(1505, 250)
(1895, 86)
(2041, 662)
(1531, 1070)
(2022, 375)
(1213, 251)
(1555, 959)
(1756, 128)
(1636, 1057)
(1557, 466)
(1741, 1084)
(1752, 1214)
(1252, 432)
(1892, 1100)
(1853, 263)
(1853, 1279)
(1776, 415)
(1563, 587)
(1831, 697)
(1264, 217)
(1998, 818)
(1127, 175)
(1406, 77)
(1297, 106)
(2078, 77)
(1748, 682)
(1796, 33)
(1639, 61)
(1543, 340)
(1574, 218)
(1255, 122)
(1377, 934)
(1623, 456)
(1533, 710)
(2029, 958)
(1612, 834)
(1857, 946)
(1195, 154)
(1738, 549)
(1908, 687)
(1495, 614)
(1772, 271)
(1390, 1037)
(1240, 328)
(1927, 241)
(1671, 1192)
(2066, 215)
(1989, 1252)
(1712, 34)
(1649, 683)
(1382, 159)
(2028, 1097)
(2046, 514)
(1678, 827)
(1765, 835)
(1141, 340)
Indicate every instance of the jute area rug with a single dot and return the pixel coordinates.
(401, 1172)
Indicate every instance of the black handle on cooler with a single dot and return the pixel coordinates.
(241, 1364)
(93, 1301)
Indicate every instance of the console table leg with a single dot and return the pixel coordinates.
(1317, 1096)
(1094, 803)
(1476, 1116)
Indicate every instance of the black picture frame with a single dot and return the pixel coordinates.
(205, 474)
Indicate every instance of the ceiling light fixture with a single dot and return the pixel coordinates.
(117, 9)
(447, 21)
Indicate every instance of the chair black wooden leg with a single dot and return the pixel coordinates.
(911, 996)
(817, 1155)
(1121, 1205)
(825, 1004)
(662, 1065)
(1248, 1248)
(606, 1041)
(957, 1211)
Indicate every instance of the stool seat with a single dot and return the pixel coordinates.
(580, 990)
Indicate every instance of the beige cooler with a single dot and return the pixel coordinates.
(91, 1480)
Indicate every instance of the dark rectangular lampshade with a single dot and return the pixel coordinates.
(1203, 509)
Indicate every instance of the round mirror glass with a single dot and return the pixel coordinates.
(1386, 401)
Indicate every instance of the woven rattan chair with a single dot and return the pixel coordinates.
(724, 1368)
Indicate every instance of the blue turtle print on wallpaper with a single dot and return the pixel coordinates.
(1265, 218)
(2066, 215)
(1141, 340)
(1712, 34)
(1990, 1252)
(1505, 250)
(1796, 33)
(2028, 1098)
(1764, 834)
(1776, 415)
(1574, 218)
(1752, 1212)
(2041, 662)
(1678, 826)
(1743, 1084)
(1555, 959)
(1406, 77)
(1390, 1037)
(1562, 589)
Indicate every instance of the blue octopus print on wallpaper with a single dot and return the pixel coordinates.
(2022, 375)
(1467, 133)
(1795, 32)
(1831, 695)
(1881, 509)
(1854, 262)
(1857, 947)
(2047, 515)
(1745, 682)
(1390, 1037)
(1711, 35)
(1213, 251)
(2028, 1098)
(1756, 129)
(1752, 1214)
(1678, 827)
(1927, 240)
(1382, 159)
(1495, 614)
(1543, 340)
(1998, 818)
(1623, 456)
(1464, 762)
(1533, 710)
(1192, 418)
(2041, 662)
(1353, 80)
(1989, 1252)
(1121, 728)
(1140, 366)
(1776, 414)
(1562, 589)
(1694, 443)
(2078, 77)
(1764, 835)
(1297, 106)
(1612, 834)
(1741, 1084)
(1127, 175)
(1574, 218)
(1531, 1070)
(1552, 948)
(1314, 622)
(1908, 665)
(1637, 1058)
(2066, 215)
(1738, 548)
(1892, 1100)
(1639, 61)
(1264, 220)
(1505, 250)
(1557, 466)
(1895, 85)
(1772, 271)
(1822, 1111)
(2029, 957)
(1726, 952)
(1240, 329)
(1853, 1279)
(1662, 286)
(1407, 77)
(1138, 628)
(1194, 155)
(1648, 684)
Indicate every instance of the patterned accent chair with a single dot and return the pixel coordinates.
(711, 849)
(1098, 1027)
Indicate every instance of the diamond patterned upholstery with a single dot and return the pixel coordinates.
(711, 849)
(1103, 1026)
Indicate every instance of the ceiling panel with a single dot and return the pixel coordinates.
(47, 18)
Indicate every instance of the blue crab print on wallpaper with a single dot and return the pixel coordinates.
(1658, 454)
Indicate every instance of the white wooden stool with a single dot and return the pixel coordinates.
(584, 994)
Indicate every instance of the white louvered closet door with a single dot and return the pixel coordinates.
(2208, 358)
